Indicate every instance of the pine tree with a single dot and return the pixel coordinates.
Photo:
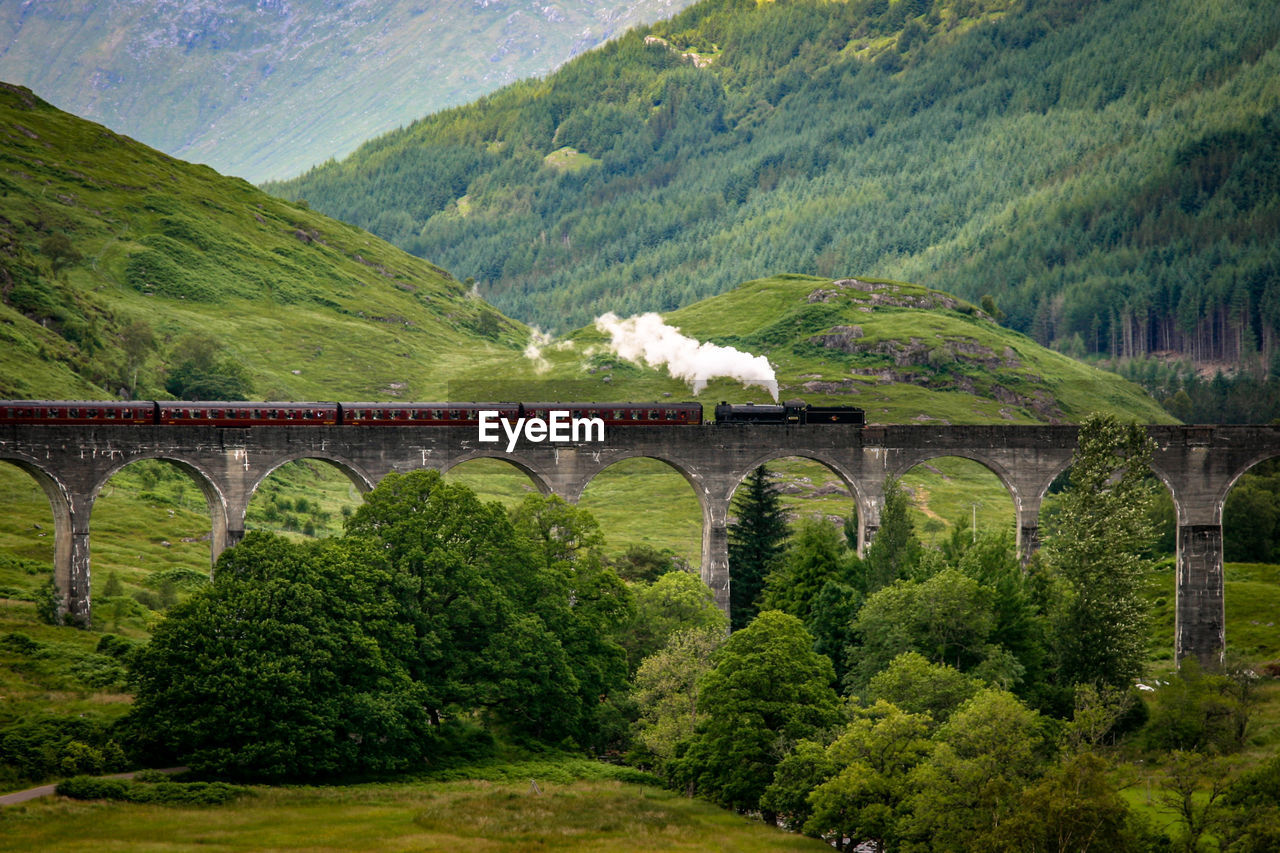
(894, 552)
(756, 540)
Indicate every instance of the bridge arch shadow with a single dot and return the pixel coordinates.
(950, 493)
(647, 502)
(1251, 560)
(35, 528)
(496, 478)
(809, 489)
(153, 540)
(306, 494)
(811, 486)
(798, 466)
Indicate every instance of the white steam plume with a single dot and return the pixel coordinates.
(533, 351)
(645, 337)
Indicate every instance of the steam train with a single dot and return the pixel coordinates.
(245, 414)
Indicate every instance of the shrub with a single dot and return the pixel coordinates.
(116, 647)
(20, 643)
(39, 748)
(163, 792)
(48, 601)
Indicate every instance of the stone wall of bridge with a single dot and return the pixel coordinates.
(1198, 464)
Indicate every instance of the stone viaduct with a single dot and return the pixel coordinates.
(1198, 464)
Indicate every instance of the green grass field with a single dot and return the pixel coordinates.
(445, 816)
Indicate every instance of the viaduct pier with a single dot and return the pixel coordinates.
(1198, 464)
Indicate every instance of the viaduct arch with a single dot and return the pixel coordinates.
(1198, 464)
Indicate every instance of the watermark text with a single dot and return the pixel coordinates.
(560, 427)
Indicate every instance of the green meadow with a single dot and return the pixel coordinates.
(525, 814)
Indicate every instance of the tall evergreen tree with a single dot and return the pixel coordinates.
(895, 550)
(756, 540)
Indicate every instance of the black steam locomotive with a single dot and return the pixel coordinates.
(789, 412)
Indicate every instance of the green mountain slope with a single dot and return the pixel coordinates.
(112, 256)
(267, 88)
(1107, 170)
(905, 353)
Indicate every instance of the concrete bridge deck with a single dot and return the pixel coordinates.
(1198, 464)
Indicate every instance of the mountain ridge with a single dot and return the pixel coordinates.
(300, 81)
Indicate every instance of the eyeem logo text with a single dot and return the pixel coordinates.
(560, 427)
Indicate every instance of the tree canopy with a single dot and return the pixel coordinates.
(366, 653)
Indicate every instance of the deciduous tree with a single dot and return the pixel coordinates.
(289, 666)
(768, 688)
(1096, 548)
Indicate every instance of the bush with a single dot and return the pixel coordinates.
(48, 602)
(37, 749)
(90, 788)
(20, 643)
(116, 647)
(164, 792)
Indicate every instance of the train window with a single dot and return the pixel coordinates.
(215, 413)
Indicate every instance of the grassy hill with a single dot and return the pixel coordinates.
(111, 253)
(1107, 170)
(300, 81)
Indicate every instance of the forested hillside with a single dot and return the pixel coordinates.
(1106, 170)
